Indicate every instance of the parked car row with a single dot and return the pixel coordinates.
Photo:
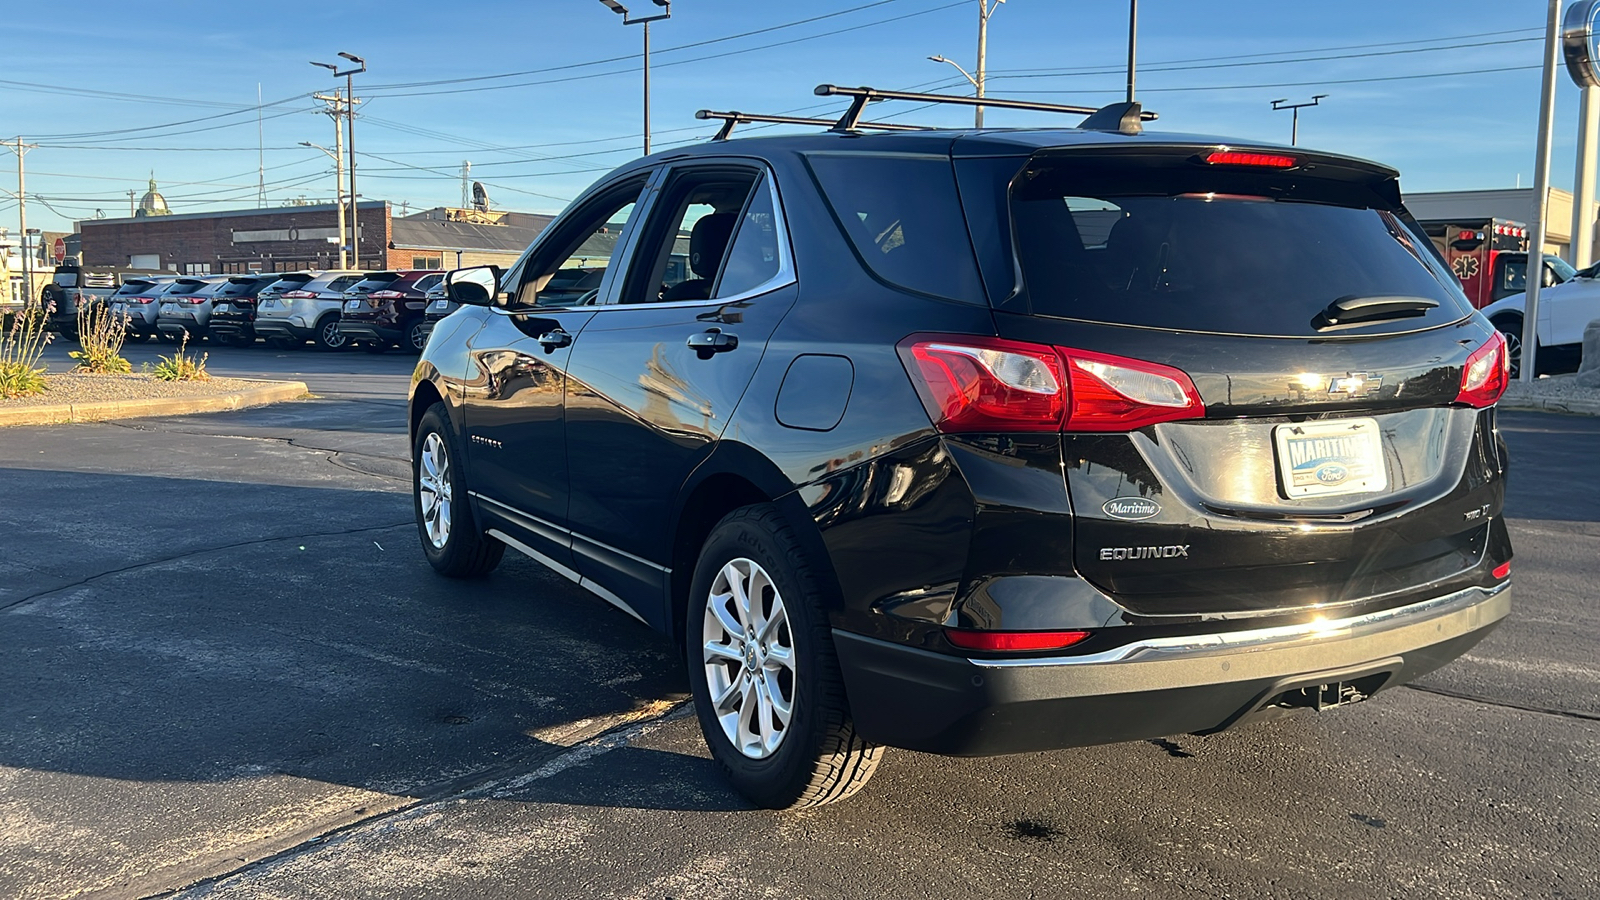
(331, 310)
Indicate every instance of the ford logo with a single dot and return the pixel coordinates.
(1131, 508)
(1332, 474)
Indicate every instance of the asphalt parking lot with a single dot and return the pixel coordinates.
(227, 671)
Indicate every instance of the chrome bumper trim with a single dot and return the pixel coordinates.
(1494, 602)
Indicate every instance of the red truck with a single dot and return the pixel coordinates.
(1490, 256)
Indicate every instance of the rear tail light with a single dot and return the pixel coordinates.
(1502, 571)
(1013, 640)
(986, 384)
(299, 295)
(970, 384)
(197, 300)
(1244, 158)
(385, 295)
(1487, 374)
(1113, 393)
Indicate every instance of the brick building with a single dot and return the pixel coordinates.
(289, 238)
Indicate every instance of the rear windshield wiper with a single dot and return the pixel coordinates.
(1353, 310)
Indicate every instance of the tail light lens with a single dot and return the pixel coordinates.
(974, 384)
(1013, 640)
(1487, 374)
(986, 384)
(1114, 393)
(1502, 571)
(385, 295)
(299, 295)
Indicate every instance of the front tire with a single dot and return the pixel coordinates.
(450, 537)
(766, 682)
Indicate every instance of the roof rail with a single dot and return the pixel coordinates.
(1126, 118)
(731, 119)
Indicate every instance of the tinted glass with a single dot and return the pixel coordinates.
(179, 288)
(134, 288)
(427, 282)
(342, 283)
(753, 257)
(904, 217)
(1199, 261)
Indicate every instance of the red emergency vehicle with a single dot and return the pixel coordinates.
(1490, 256)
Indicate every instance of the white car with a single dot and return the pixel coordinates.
(308, 311)
(1565, 309)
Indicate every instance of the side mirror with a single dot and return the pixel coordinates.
(1550, 279)
(476, 286)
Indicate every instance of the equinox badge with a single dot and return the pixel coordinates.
(1168, 552)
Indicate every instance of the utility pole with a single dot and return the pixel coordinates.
(350, 107)
(627, 19)
(1583, 180)
(1534, 277)
(336, 154)
(466, 180)
(132, 209)
(21, 149)
(1294, 108)
(261, 155)
(1133, 42)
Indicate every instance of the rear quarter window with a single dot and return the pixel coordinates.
(903, 217)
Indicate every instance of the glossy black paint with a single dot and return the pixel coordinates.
(614, 455)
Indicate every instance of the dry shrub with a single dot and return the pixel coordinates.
(100, 337)
(21, 345)
(180, 366)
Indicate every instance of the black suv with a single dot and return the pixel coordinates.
(983, 441)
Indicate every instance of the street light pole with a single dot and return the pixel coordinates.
(1294, 108)
(350, 112)
(1133, 42)
(21, 150)
(338, 178)
(627, 19)
(1534, 272)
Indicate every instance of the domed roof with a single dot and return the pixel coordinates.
(153, 204)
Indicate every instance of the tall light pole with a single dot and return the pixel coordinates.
(338, 178)
(1294, 127)
(350, 101)
(1534, 273)
(1133, 42)
(627, 19)
(986, 9)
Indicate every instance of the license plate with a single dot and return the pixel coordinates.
(269, 303)
(169, 309)
(439, 305)
(354, 305)
(118, 309)
(1319, 459)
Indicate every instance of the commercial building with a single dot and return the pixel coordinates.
(289, 238)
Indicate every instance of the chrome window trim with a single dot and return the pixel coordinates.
(1224, 643)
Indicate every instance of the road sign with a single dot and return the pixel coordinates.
(59, 251)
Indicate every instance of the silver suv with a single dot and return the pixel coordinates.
(309, 312)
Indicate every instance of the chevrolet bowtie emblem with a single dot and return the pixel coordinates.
(1355, 384)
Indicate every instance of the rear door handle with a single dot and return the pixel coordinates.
(712, 341)
(557, 338)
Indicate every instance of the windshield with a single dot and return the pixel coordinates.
(1170, 253)
(1564, 270)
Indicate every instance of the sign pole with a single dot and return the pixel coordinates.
(1534, 278)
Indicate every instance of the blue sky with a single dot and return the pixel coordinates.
(536, 144)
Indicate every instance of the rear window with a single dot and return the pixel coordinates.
(1196, 249)
(904, 218)
(135, 288)
(179, 288)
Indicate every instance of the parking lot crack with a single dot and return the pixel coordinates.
(1543, 710)
(89, 579)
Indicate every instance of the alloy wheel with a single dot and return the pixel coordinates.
(1514, 352)
(749, 657)
(331, 335)
(434, 490)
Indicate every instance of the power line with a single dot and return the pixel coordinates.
(1283, 84)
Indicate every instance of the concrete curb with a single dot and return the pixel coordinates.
(64, 413)
(1570, 405)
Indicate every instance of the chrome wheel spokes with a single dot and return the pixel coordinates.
(433, 489)
(748, 652)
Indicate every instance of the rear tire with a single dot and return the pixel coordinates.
(450, 537)
(328, 337)
(784, 644)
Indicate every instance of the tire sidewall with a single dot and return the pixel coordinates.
(766, 780)
(412, 334)
(434, 421)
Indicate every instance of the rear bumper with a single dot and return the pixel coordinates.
(908, 697)
(368, 331)
(183, 323)
(276, 327)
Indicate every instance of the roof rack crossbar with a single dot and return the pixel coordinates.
(860, 96)
(734, 118)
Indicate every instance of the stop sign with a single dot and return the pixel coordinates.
(60, 251)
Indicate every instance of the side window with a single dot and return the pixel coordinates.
(753, 258)
(905, 219)
(426, 283)
(568, 271)
(342, 283)
(1514, 276)
(682, 252)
